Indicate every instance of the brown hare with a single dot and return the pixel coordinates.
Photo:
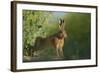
(56, 41)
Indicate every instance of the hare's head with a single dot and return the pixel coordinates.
(61, 27)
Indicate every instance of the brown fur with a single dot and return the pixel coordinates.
(56, 41)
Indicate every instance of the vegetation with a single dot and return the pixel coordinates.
(45, 23)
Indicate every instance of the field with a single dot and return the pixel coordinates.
(45, 23)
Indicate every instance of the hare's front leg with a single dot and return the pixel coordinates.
(57, 52)
(61, 52)
(61, 45)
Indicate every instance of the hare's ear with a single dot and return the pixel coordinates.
(61, 24)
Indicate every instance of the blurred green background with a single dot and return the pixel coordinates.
(45, 23)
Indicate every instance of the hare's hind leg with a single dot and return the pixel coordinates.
(31, 52)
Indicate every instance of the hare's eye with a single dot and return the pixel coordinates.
(39, 26)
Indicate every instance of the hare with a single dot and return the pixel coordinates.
(56, 41)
